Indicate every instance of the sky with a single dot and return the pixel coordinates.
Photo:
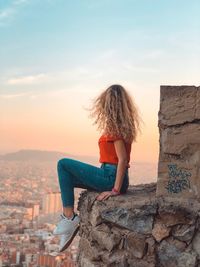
(56, 56)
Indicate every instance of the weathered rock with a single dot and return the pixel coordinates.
(150, 247)
(136, 245)
(179, 128)
(90, 251)
(177, 243)
(141, 263)
(175, 139)
(179, 104)
(85, 228)
(95, 216)
(170, 219)
(196, 243)
(115, 258)
(187, 259)
(85, 262)
(135, 220)
(169, 251)
(104, 237)
(183, 232)
(160, 230)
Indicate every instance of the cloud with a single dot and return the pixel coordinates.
(5, 13)
(31, 79)
(8, 96)
(91, 4)
(8, 12)
(133, 68)
(82, 73)
(20, 2)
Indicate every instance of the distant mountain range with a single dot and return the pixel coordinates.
(139, 171)
(43, 155)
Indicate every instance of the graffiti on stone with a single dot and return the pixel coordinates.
(179, 179)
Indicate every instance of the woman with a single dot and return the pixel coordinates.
(117, 115)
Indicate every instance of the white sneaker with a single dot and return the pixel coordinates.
(67, 226)
(66, 239)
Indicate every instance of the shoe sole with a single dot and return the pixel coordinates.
(66, 245)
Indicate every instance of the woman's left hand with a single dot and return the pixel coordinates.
(105, 195)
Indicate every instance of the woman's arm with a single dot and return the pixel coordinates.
(122, 163)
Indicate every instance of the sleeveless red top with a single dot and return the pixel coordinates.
(107, 149)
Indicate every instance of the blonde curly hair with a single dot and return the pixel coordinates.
(116, 113)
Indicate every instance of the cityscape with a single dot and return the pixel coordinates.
(30, 207)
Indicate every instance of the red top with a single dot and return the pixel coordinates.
(107, 149)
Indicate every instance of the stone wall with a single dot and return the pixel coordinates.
(179, 155)
(138, 229)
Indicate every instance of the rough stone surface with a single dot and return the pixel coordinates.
(160, 230)
(171, 239)
(179, 155)
(183, 232)
(136, 244)
(172, 252)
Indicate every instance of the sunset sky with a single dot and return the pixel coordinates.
(56, 55)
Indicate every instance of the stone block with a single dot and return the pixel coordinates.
(160, 230)
(196, 243)
(136, 220)
(104, 237)
(183, 232)
(136, 245)
(179, 154)
(179, 105)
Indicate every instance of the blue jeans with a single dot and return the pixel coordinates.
(73, 173)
